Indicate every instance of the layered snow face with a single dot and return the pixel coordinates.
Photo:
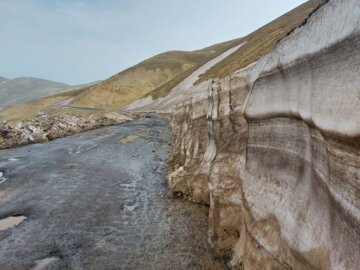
(282, 169)
(302, 164)
(332, 23)
(309, 183)
(322, 90)
(314, 73)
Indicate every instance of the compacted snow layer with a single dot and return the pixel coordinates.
(313, 74)
(274, 149)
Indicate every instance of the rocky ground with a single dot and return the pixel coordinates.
(99, 200)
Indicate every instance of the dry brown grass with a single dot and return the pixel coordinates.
(164, 89)
(161, 72)
(19, 112)
(262, 41)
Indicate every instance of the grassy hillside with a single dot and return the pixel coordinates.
(160, 72)
(258, 44)
(262, 41)
(156, 76)
(3, 79)
(54, 104)
(21, 90)
(163, 71)
(25, 89)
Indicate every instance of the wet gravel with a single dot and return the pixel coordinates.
(97, 200)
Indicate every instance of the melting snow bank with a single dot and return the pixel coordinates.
(314, 73)
(276, 151)
(2, 178)
(48, 127)
(43, 263)
(10, 222)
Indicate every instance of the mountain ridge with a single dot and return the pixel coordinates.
(24, 89)
(21, 90)
(125, 87)
(155, 77)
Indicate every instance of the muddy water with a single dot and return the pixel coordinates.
(98, 200)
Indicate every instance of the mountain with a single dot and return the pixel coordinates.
(2, 80)
(255, 45)
(168, 68)
(24, 89)
(54, 104)
(155, 77)
(162, 71)
(158, 75)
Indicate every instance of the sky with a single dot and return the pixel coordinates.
(80, 41)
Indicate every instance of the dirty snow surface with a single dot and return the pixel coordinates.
(97, 201)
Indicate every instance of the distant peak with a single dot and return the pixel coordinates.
(2, 79)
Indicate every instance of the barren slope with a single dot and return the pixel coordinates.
(154, 78)
(162, 71)
(3, 79)
(24, 89)
(55, 104)
(263, 40)
(255, 46)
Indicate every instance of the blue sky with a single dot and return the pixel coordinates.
(79, 41)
